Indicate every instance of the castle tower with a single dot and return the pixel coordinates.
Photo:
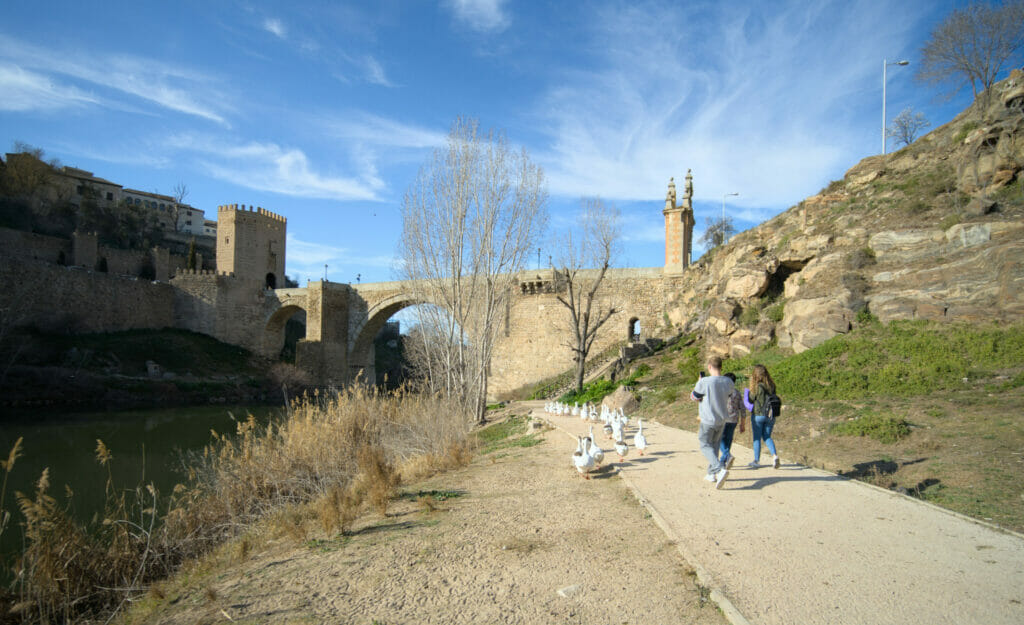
(251, 244)
(678, 228)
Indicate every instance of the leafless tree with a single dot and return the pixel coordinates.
(906, 126)
(177, 208)
(469, 222)
(583, 262)
(717, 231)
(972, 45)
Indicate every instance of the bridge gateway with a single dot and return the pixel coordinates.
(239, 304)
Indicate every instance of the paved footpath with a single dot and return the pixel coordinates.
(797, 545)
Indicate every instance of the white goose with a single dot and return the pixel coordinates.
(595, 450)
(583, 461)
(617, 426)
(639, 440)
(622, 449)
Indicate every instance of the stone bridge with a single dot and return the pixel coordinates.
(342, 321)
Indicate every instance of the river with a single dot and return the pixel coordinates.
(147, 446)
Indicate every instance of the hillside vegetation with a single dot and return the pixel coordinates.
(929, 409)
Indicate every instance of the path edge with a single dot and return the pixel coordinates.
(729, 610)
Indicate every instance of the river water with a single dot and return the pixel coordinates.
(147, 446)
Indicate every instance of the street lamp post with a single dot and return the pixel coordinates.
(886, 64)
(723, 214)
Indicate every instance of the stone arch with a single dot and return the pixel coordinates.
(633, 330)
(273, 330)
(361, 354)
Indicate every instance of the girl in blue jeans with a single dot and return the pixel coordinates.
(761, 385)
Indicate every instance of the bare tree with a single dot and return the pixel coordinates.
(469, 222)
(717, 231)
(972, 45)
(177, 208)
(906, 126)
(581, 269)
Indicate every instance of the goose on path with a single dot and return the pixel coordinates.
(582, 460)
(595, 450)
(639, 440)
(622, 449)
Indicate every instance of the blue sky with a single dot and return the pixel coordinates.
(324, 111)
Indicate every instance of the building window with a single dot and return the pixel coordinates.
(79, 189)
(110, 196)
(138, 201)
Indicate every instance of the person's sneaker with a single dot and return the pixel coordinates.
(728, 463)
(775, 462)
(753, 465)
(710, 477)
(720, 478)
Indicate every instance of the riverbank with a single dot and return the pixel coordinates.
(515, 537)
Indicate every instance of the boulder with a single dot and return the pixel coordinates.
(980, 206)
(810, 322)
(722, 316)
(621, 398)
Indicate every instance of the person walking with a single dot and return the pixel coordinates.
(734, 417)
(755, 399)
(712, 394)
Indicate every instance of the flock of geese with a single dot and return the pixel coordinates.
(589, 455)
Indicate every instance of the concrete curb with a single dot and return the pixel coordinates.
(703, 577)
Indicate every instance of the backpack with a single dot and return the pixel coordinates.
(774, 405)
(735, 404)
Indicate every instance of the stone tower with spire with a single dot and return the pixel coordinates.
(678, 228)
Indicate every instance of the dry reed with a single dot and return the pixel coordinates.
(330, 457)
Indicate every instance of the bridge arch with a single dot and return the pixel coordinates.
(361, 352)
(274, 329)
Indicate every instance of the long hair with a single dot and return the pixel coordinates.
(760, 375)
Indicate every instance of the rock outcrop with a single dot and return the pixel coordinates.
(934, 231)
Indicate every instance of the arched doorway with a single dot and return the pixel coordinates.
(271, 281)
(633, 331)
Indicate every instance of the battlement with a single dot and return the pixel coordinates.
(236, 208)
(202, 272)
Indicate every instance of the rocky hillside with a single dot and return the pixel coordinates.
(933, 231)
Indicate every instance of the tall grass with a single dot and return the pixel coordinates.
(341, 453)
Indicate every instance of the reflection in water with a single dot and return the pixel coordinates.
(147, 446)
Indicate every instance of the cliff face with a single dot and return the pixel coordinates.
(933, 231)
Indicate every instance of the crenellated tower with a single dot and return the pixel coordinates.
(251, 244)
(678, 227)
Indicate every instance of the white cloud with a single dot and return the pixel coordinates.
(374, 72)
(270, 167)
(480, 15)
(27, 91)
(380, 131)
(765, 111)
(175, 88)
(306, 260)
(275, 27)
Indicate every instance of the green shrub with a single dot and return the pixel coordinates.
(885, 428)
(949, 221)
(750, 316)
(776, 312)
(964, 130)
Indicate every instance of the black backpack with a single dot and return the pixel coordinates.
(774, 405)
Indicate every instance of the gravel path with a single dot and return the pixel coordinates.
(798, 545)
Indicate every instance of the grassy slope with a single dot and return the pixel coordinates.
(948, 396)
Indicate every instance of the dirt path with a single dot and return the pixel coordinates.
(797, 545)
(517, 537)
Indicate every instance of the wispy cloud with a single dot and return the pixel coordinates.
(277, 169)
(374, 72)
(27, 91)
(275, 27)
(487, 16)
(170, 87)
(306, 260)
(373, 129)
(764, 112)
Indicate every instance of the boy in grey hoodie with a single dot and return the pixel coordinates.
(712, 394)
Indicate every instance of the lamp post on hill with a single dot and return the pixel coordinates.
(886, 64)
(723, 214)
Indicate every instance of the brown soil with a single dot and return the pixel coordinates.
(509, 536)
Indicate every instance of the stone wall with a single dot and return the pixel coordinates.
(21, 245)
(537, 330)
(76, 299)
(225, 307)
